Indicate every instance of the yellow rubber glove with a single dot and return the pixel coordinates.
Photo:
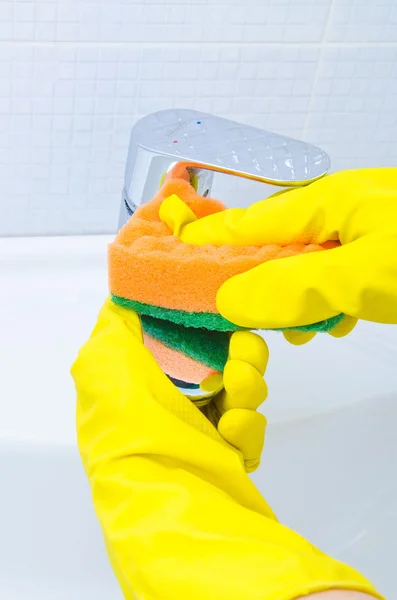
(180, 517)
(358, 208)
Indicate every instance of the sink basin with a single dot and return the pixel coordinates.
(329, 466)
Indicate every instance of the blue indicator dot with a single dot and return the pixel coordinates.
(198, 122)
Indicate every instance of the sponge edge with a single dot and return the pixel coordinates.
(211, 321)
(176, 364)
(210, 348)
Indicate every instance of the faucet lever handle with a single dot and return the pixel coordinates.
(211, 144)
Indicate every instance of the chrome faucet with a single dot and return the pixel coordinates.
(206, 144)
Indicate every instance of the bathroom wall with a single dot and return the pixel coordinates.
(76, 74)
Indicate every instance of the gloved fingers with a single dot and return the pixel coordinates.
(281, 293)
(283, 218)
(176, 214)
(358, 279)
(244, 386)
(315, 213)
(245, 430)
(344, 327)
(233, 411)
(298, 338)
(250, 348)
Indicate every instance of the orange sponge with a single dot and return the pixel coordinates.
(176, 364)
(147, 264)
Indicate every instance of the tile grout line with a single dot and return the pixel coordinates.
(321, 44)
(324, 44)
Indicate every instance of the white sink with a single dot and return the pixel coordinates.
(329, 467)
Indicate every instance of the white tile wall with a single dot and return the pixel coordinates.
(363, 21)
(76, 74)
(353, 108)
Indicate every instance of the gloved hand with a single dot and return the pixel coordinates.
(359, 279)
(181, 519)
